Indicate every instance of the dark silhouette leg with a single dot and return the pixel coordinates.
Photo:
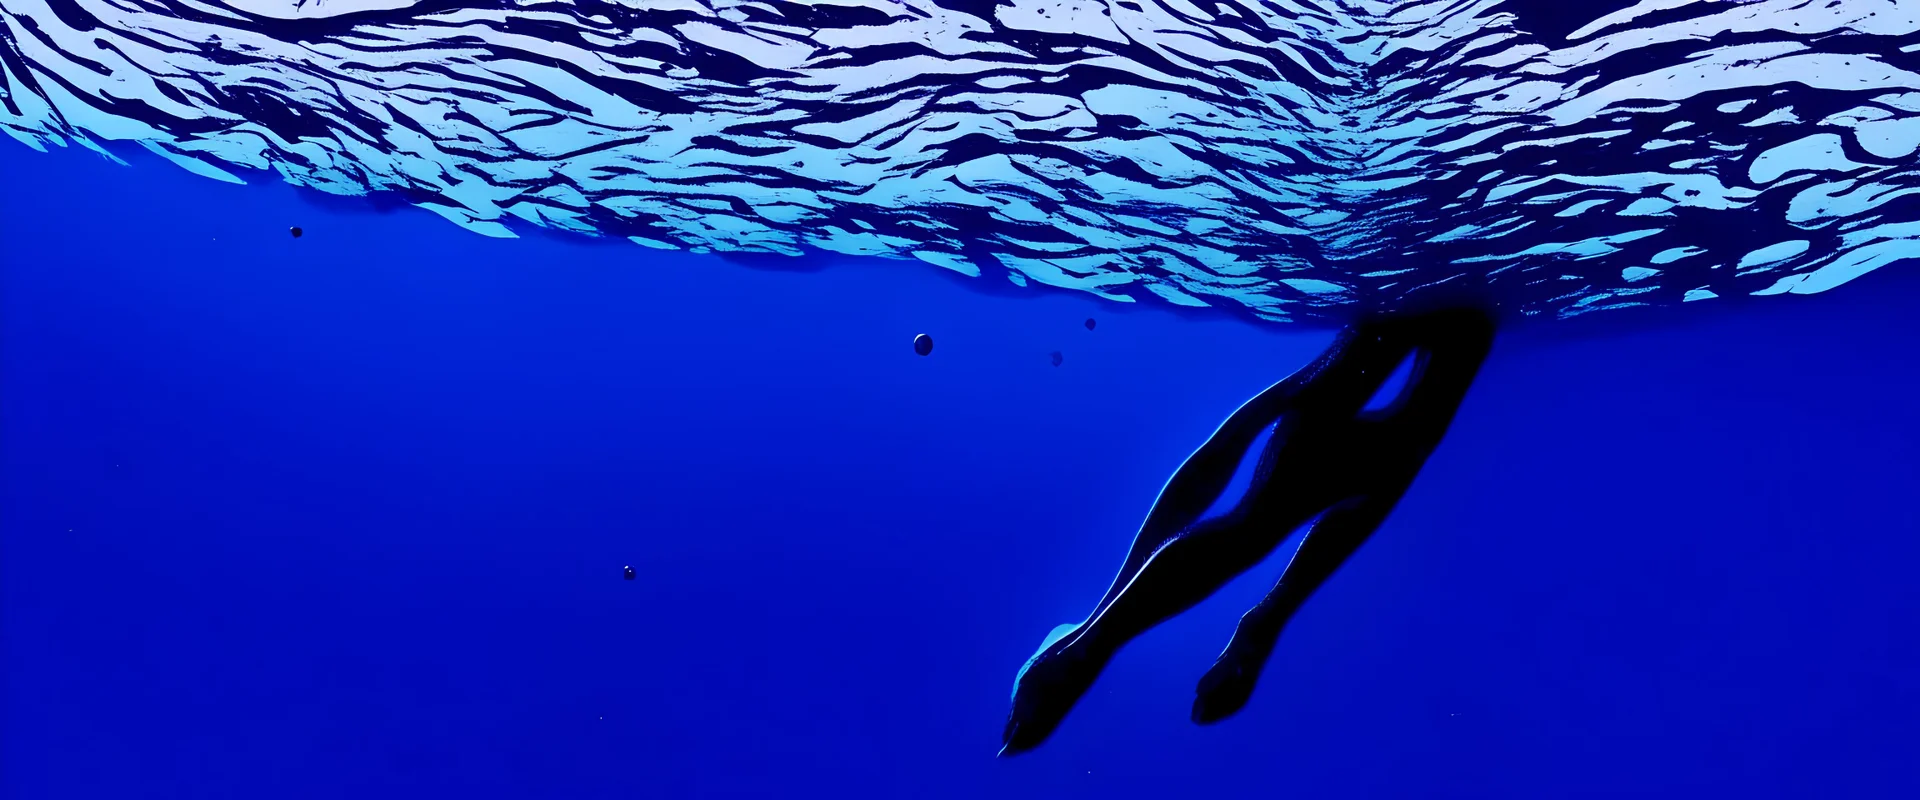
(1327, 454)
(1449, 358)
(1337, 535)
(1191, 559)
(1178, 575)
(1362, 357)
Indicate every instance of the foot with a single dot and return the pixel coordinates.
(1225, 689)
(1046, 690)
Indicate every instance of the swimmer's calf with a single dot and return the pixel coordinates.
(1331, 462)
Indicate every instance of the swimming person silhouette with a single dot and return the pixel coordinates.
(1331, 460)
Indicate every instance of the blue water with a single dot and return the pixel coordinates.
(346, 516)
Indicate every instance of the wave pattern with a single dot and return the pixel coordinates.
(1287, 158)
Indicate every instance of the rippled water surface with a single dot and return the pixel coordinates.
(1286, 159)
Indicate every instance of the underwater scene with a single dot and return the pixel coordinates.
(975, 399)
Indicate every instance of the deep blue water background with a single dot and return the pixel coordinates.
(345, 516)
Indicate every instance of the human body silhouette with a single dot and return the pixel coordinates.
(1331, 461)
